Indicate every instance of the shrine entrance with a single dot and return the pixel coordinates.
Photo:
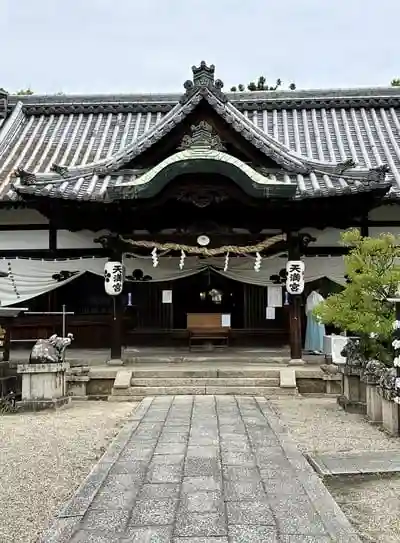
(208, 292)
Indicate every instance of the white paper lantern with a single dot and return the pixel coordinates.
(113, 278)
(295, 276)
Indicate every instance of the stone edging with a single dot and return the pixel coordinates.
(335, 521)
(71, 513)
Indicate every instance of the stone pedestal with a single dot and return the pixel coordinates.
(43, 386)
(374, 403)
(77, 386)
(333, 384)
(77, 380)
(390, 416)
(353, 398)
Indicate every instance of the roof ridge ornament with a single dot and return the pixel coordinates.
(203, 137)
(25, 177)
(377, 174)
(60, 170)
(347, 164)
(203, 78)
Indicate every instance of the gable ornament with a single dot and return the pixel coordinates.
(202, 136)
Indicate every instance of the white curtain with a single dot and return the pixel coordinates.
(167, 269)
(242, 269)
(28, 278)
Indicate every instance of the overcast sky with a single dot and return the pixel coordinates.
(95, 46)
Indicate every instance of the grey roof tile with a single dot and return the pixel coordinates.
(321, 126)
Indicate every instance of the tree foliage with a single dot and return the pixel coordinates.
(373, 276)
(395, 82)
(25, 92)
(261, 85)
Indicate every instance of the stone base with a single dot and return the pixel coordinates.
(115, 362)
(43, 381)
(296, 362)
(352, 406)
(374, 404)
(40, 405)
(390, 417)
(353, 398)
(333, 382)
(77, 385)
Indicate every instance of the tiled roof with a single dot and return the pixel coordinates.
(313, 130)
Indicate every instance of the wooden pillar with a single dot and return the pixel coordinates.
(116, 317)
(295, 316)
(6, 340)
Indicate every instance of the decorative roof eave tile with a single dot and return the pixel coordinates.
(96, 188)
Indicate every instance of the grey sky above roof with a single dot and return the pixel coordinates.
(95, 46)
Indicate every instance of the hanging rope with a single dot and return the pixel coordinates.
(194, 250)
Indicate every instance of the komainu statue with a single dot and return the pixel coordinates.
(50, 350)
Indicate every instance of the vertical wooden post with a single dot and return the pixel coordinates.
(396, 334)
(295, 329)
(6, 325)
(116, 316)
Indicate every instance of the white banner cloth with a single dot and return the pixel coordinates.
(28, 278)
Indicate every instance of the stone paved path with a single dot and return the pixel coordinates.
(201, 469)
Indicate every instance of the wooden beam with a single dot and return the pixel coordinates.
(372, 223)
(47, 254)
(23, 227)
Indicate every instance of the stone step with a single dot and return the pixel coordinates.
(137, 391)
(175, 373)
(210, 381)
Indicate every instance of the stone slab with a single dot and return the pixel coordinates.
(202, 469)
(288, 378)
(206, 381)
(368, 462)
(123, 379)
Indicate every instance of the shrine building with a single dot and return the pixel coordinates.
(203, 196)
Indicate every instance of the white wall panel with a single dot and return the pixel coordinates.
(21, 216)
(330, 237)
(24, 239)
(385, 213)
(374, 231)
(82, 239)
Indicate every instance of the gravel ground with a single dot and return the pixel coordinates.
(372, 504)
(45, 456)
